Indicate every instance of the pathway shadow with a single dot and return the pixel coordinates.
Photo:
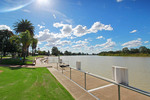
(17, 67)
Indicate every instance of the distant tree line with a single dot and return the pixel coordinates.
(56, 52)
(141, 51)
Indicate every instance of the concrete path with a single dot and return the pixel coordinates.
(77, 92)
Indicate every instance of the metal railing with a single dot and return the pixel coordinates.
(102, 78)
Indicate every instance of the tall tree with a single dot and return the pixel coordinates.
(4, 41)
(34, 45)
(125, 50)
(55, 51)
(48, 53)
(22, 26)
(25, 40)
(16, 44)
(143, 49)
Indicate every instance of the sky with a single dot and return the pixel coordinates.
(89, 26)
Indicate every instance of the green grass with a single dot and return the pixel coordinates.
(33, 57)
(30, 84)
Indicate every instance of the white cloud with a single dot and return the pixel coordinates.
(133, 31)
(5, 27)
(133, 43)
(80, 30)
(58, 43)
(25, 10)
(46, 35)
(72, 37)
(97, 26)
(91, 48)
(119, 0)
(99, 37)
(54, 16)
(80, 43)
(146, 41)
(108, 45)
(40, 26)
(52, 39)
(39, 42)
(66, 28)
(78, 46)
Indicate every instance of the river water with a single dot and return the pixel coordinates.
(138, 67)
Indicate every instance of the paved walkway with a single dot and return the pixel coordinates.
(77, 92)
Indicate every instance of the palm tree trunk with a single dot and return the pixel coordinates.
(24, 55)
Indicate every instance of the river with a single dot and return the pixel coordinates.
(138, 67)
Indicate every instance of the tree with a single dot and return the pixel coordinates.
(143, 49)
(34, 45)
(132, 50)
(67, 53)
(4, 41)
(22, 26)
(25, 40)
(125, 50)
(48, 53)
(16, 45)
(55, 51)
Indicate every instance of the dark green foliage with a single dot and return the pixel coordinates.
(23, 25)
(48, 53)
(67, 53)
(12, 62)
(5, 44)
(125, 50)
(55, 51)
(142, 51)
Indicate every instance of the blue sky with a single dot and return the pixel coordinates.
(89, 26)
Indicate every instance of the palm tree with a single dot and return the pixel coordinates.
(25, 40)
(22, 26)
(34, 44)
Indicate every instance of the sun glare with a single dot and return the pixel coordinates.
(43, 2)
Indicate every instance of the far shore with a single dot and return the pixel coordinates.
(127, 55)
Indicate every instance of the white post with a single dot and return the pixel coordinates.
(120, 75)
(60, 61)
(78, 65)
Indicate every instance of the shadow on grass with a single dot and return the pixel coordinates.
(15, 61)
(16, 67)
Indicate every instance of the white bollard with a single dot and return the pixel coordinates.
(78, 65)
(120, 75)
(48, 60)
(60, 61)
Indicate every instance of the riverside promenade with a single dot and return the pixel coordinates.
(94, 88)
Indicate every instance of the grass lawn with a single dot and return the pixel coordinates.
(33, 57)
(30, 84)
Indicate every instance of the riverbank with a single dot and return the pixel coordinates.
(127, 55)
